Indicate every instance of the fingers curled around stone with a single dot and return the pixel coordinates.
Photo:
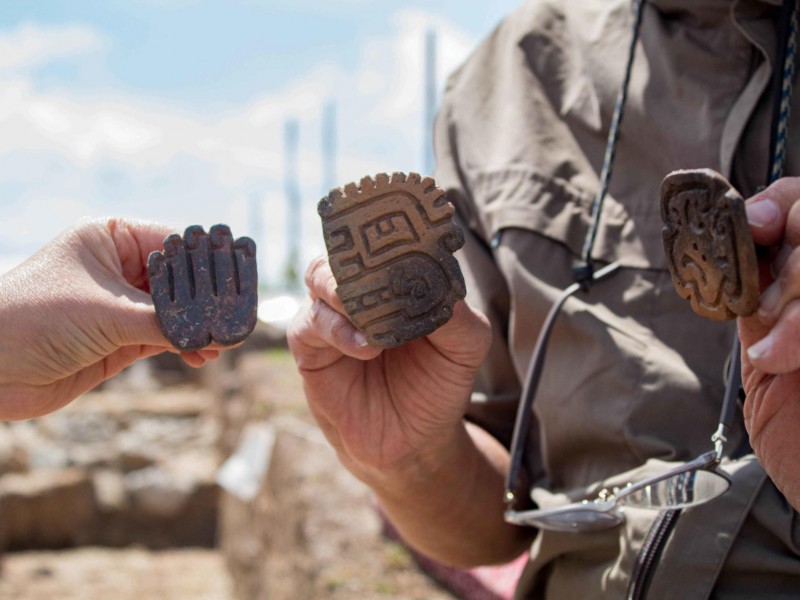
(783, 290)
(336, 330)
(322, 284)
(466, 323)
(779, 352)
(200, 357)
(774, 213)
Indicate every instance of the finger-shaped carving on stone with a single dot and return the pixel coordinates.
(204, 287)
(710, 251)
(390, 242)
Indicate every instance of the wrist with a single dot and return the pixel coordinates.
(447, 457)
(456, 487)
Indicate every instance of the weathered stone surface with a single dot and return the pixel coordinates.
(109, 489)
(205, 287)
(390, 243)
(710, 252)
(155, 494)
(13, 459)
(147, 461)
(45, 509)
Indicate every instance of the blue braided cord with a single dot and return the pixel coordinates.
(613, 138)
(779, 156)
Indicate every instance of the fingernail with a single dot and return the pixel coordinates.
(762, 213)
(360, 339)
(769, 299)
(760, 349)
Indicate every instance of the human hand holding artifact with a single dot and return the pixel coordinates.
(77, 313)
(703, 206)
(375, 342)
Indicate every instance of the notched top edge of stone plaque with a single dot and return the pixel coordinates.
(709, 248)
(390, 242)
(204, 287)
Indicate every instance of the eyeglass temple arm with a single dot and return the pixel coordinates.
(523, 419)
(732, 391)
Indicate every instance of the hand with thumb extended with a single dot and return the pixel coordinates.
(77, 313)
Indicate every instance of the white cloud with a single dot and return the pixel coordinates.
(115, 132)
(33, 45)
(48, 214)
(71, 154)
(405, 94)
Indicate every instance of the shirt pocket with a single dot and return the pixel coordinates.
(556, 207)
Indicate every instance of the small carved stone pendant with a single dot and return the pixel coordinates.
(710, 252)
(390, 244)
(204, 287)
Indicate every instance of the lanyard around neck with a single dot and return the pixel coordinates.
(583, 271)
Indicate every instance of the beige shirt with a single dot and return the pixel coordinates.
(631, 373)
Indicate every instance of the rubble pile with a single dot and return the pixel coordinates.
(122, 465)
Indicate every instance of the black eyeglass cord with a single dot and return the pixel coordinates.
(525, 408)
(583, 272)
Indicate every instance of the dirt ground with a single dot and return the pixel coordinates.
(126, 574)
(344, 551)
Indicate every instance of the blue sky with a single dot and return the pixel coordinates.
(173, 110)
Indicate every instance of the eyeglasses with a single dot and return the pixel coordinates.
(689, 484)
(686, 485)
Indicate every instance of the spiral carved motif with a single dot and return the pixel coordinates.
(709, 248)
(390, 242)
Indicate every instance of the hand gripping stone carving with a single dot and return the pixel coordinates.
(390, 244)
(710, 252)
(204, 287)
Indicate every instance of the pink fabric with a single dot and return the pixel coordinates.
(481, 583)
